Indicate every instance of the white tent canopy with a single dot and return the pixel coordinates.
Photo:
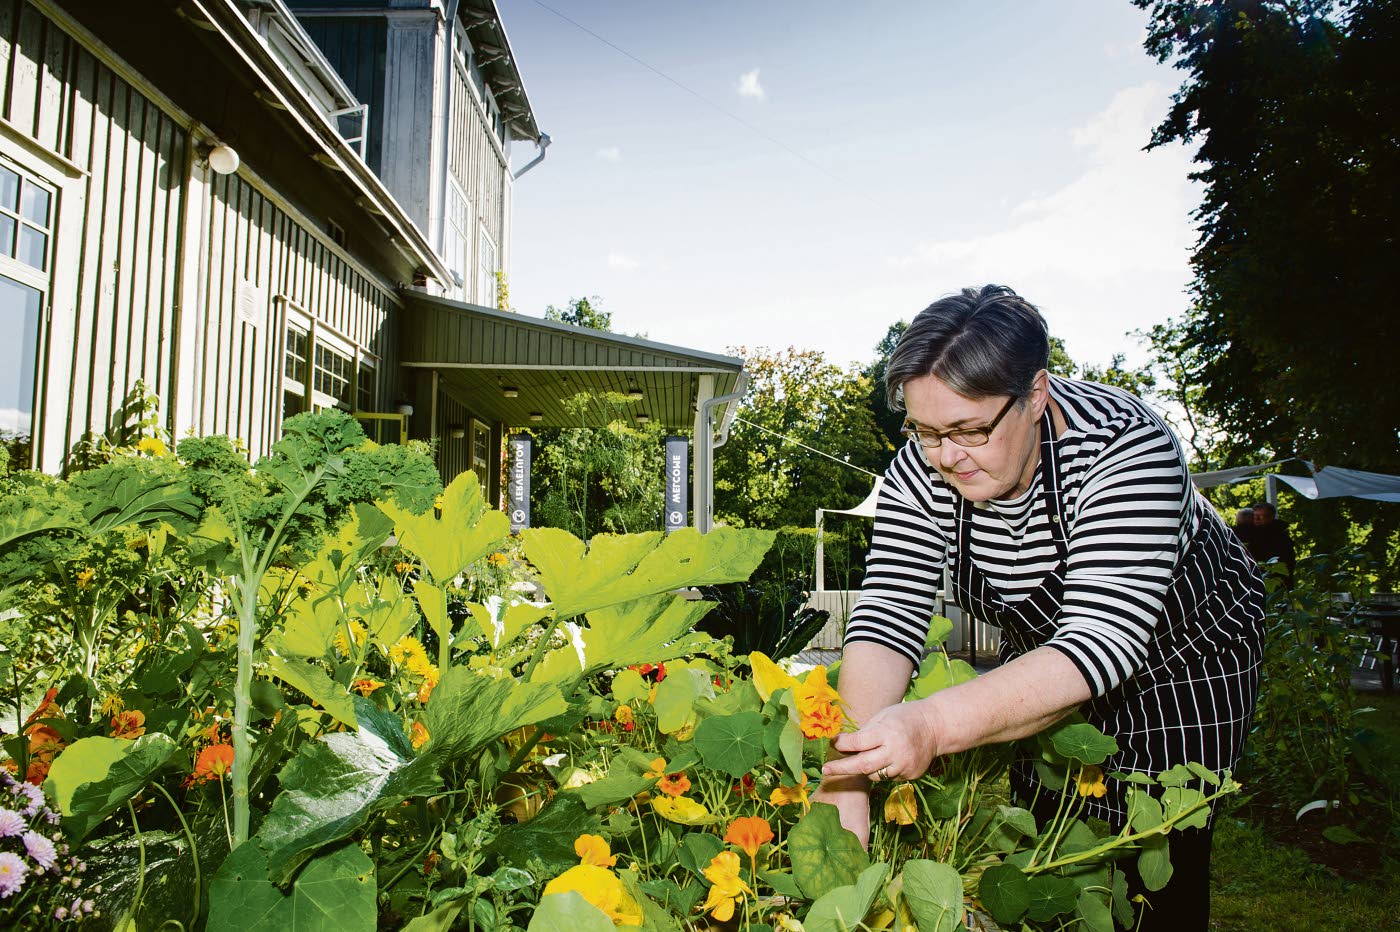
(866, 509)
(1328, 482)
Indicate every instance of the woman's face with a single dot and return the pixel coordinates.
(1001, 468)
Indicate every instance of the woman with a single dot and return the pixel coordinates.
(1062, 512)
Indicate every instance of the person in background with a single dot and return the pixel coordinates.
(1244, 527)
(1272, 540)
(1062, 513)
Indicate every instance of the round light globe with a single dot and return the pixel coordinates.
(223, 159)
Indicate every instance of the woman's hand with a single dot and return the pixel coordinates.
(897, 743)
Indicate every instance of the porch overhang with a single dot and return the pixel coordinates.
(523, 371)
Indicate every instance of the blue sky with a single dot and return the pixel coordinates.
(937, 144)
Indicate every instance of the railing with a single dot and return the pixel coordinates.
(839, 603)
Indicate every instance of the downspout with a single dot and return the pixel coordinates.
(444, 129)
(707, 443)
(543, 142)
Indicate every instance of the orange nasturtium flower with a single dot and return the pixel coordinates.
(1091, 782)
(625, 717)
(902, 805)
(129, 725)
(418, 735)
(787, 795)
(727, 888)
(818, 705)
(213, 762)
(602, 888)
(750, 833)
(674, 784)
(594, 850)
(365, 686)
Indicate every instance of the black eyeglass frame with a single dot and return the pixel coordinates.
(932, 439)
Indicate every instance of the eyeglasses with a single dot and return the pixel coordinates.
(963, 436)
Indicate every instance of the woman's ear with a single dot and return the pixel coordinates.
(1040, 393)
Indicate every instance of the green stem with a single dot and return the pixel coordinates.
(194, 851)
(540, 649)
(409, 863)
(141, 866)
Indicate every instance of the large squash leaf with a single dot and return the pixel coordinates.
(309, 626)
(93, 776)
(548, 838)
(569, 911)
(464, 531)
(468, 709)
(334, 893)
(333, 784)
(312, 680)
(335, 566)
(648, 630)
(622, 568)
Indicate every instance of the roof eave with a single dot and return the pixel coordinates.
(502, 74)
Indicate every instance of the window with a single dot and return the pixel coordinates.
(486, 286)
(322, 369)
(27, 211)
(455, 239)
(481, 454)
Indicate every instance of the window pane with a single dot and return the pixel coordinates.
(9, 189)
(292, 403)
(7, 236)
(33, 247)
(19, 321)
(34, 204)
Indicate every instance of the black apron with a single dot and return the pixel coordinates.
(1194, 697)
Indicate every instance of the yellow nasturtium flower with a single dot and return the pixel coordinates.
(727, 889)
(768, 677)
(1091, 782)
(786, 795)
(902, 805)
(594, 850)
(658, 769)
(602, 888)
(682, 809)
(418, 735)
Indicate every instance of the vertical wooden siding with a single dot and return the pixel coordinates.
(355, 46)
(124, 282)
(476, 163)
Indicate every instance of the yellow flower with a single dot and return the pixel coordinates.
(408, 647)
(787, 795)
(768, 677)
(624, 714)
(1091, 782)
(658, 769)
(112, 704)
(84, 577)
(403, 568)
(152, 446)
(727, 888)
(366, 686)
(602, 888)
(594, 850)
(818, 706)
(902, 805)
(682, 809)
(358, 633)
(787, 922)
(498, 559)
(418, 736)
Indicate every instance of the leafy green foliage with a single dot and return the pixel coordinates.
(732, 744)
(95, 775)
(934, 894)
(455, 535)
(845, 907)
(335, 892)
(469, 709)
(824, 854)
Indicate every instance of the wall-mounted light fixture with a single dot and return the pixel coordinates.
(220, 157)
(643, 418)
(634, 393)
(536, 416)
(406, 408)
(510, 391)
(456, 431)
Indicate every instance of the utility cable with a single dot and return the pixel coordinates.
(793, 440)
(710, 103)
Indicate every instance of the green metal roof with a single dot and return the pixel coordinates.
(480, 354)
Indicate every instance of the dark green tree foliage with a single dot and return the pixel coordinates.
(581, 312)
(888, 419)
(1293, 332)
(763, 480)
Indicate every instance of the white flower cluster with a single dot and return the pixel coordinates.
(31, 848)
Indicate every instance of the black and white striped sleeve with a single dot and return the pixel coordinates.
(907, 552)
(1123, 548)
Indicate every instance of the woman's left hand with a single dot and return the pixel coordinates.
(898, 743)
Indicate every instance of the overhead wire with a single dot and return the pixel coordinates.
(796, 442)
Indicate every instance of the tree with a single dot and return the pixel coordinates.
(581, 312)
(765, 480)
(1292, 333)
(886, 418)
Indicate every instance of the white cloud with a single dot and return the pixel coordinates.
(749, 86)
(1104, 254)
(609, 153)
(621, 262)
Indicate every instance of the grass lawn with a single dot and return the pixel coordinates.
(1263, 883)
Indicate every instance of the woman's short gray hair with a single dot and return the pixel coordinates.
(981, 341)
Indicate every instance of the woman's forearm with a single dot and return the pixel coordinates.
(1015, 700)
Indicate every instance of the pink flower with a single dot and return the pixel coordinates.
(12, 873)
(11, 823)
(40, 849)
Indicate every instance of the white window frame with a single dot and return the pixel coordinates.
(486, 279)
(457, 234)
(482, 467)
(326, 337)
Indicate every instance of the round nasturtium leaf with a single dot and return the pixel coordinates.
(1084, 743)
(824, 854)
(934, 894)
(1050, 897)
(1154, 863)
(1005, 892)
(731, 743)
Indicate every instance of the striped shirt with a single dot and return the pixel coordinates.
(1130, 512)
